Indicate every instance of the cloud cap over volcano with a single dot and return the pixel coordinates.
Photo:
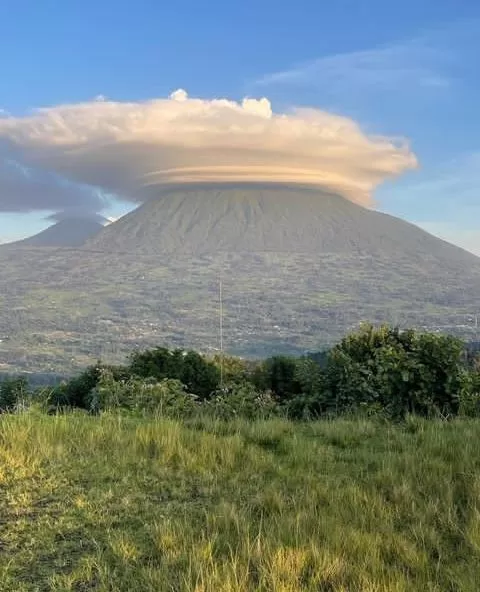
(132, 149)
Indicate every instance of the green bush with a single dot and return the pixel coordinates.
(373, 372)
(76, 392)
(13, 392)
(200, 376)
(241, 400)
(234, 370)
(278, 375)
(470, 395)
(400, 372)
(167, 397)
(310, 402)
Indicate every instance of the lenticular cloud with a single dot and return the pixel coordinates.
(132, 150)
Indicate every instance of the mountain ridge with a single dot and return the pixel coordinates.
(70, 232)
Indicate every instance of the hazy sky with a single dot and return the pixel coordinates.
(406, 69)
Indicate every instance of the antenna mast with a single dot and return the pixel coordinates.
(221, 332)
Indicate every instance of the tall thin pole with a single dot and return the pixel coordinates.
(221, 333)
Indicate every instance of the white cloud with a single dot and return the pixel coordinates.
(133, 149)
(404, 63)
(179, 95)
(419, 64)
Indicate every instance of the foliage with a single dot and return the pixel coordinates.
(279, 376)
(166, 397)
(234, 370)
(76, 391)
(374, 371)
(200, 376)
(241, 400)
(472, 354)
(398, 371)
(310, 403)
(13, 392)
(470, 395)
(320, 357)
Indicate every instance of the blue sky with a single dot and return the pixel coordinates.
(403, 69)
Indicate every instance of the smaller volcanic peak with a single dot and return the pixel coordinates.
(68, 232)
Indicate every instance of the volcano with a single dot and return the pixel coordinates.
(201, 220)
(70, 232)
(298, 267)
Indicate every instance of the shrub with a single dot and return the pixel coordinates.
(399, 371)
(200, 376)
(304, 407)
(76, 391)
(278, 375)
(470, 395)
(167, 397)
(13, 392)
(241, 400)
(235, 370)
(310, 403)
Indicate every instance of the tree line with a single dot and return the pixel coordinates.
(375, 371)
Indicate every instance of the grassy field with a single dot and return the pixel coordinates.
(124, 504)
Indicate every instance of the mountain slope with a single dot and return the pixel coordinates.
(71, 232)
(279, 219)
(298, 270)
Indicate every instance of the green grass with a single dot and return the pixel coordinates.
(124, 504)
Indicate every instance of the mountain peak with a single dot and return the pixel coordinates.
(69, 232)
(208, 219)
